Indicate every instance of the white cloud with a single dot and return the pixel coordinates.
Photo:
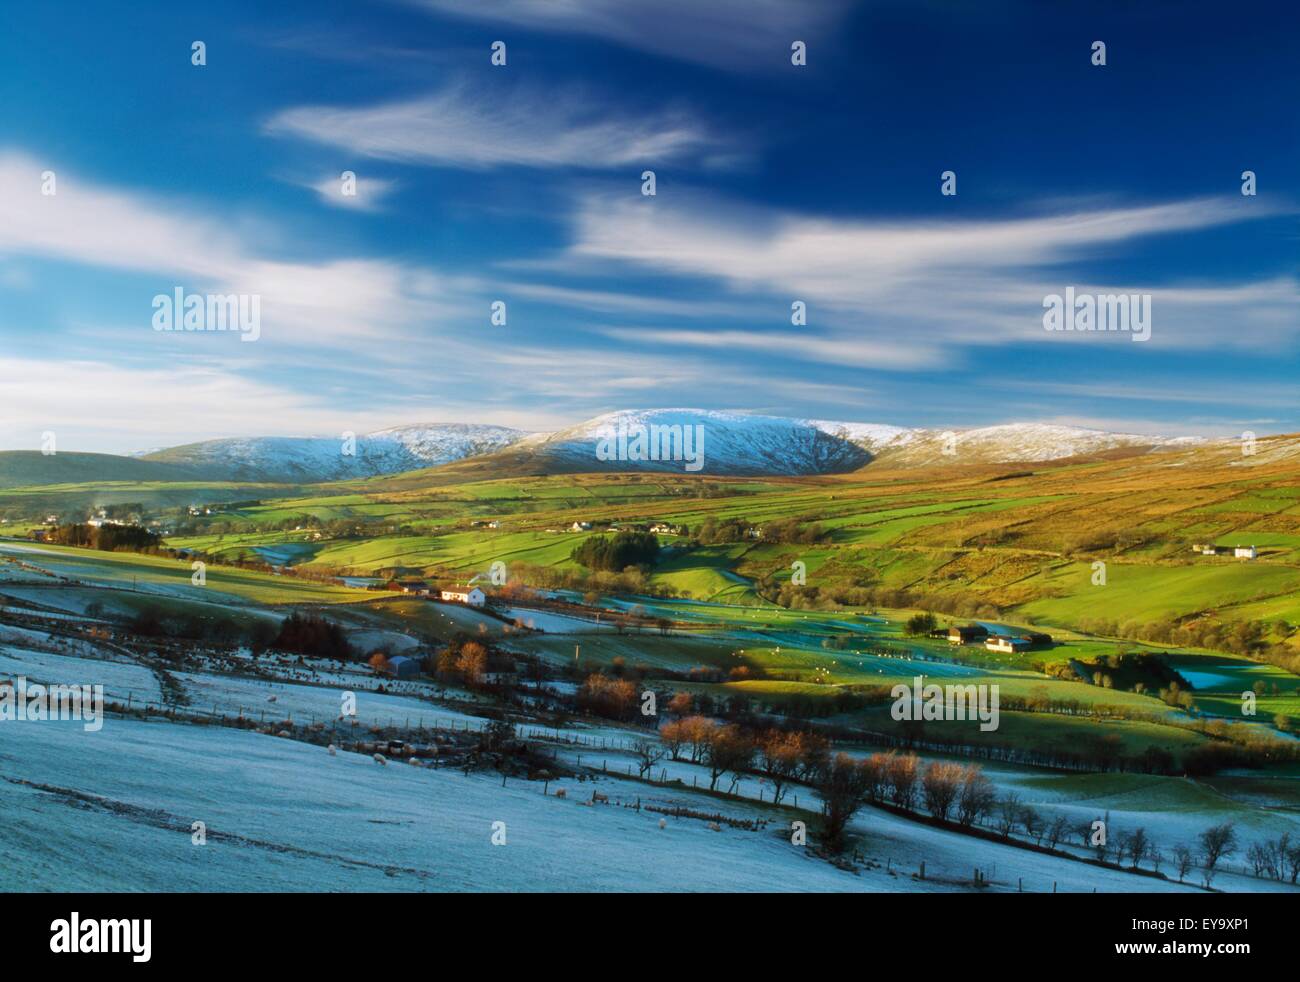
(896, 295)
(369, 192)
(490, 127)
(332, 301)
(736, 35)
(115, 409)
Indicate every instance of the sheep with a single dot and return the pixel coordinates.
(715, 827)
(663, 824)
(560, 793)
(381, 759)
(284, 733)
(413, 760)
(334, 752)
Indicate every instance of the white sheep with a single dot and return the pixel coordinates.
(663, 824)
(715, 827)
(334, 752)
(381, 759)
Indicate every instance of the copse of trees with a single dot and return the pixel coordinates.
(609, 697)
(311, 634)
(919, 625)
(107, 538)
(614, 554)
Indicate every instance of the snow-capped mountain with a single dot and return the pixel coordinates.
(674, 440)
(740, 443)
(696, 441)
(1013, 442)
(303, 460)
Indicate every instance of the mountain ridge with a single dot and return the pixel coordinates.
(684, 440)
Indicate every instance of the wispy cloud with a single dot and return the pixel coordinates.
(735, 35)
(486, 127)
(899, 295)
(329, 301)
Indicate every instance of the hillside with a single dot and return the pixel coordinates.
(30, 468)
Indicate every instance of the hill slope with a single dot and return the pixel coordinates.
(31, 468)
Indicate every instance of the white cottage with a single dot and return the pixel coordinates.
(472, 596)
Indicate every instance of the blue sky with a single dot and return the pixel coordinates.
(522, 183)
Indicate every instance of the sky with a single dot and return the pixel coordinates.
(521, 184)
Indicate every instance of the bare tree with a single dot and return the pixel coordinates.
(976, 798)
(780, 756)
(1032, 820)
(730, 749)
(904, 770)
(1218, 842)
(1134, 844)
(1182, 861)
(1007, 816)
(648, 753)
(940, 784)
(1057, 831)
(842, 788)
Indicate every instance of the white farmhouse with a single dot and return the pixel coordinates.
(465, 595)
(1245, 552)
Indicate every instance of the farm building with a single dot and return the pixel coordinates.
(1005, 643)
(417, 587)
(1241, 552)
(403, 667)
(465, 595)
(967, 634)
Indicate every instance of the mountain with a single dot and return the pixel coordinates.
(684, 441)
(1014, 442)
(307, 460)
(696, 441)
(747, 444)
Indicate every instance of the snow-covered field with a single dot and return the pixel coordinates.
(114, 810)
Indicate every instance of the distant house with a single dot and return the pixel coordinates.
(580, 527)
(403, 667)
(1241, 552)
(967, 634)
(1006, 643)
(417, 587)
(465, 595)
(663, 528)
